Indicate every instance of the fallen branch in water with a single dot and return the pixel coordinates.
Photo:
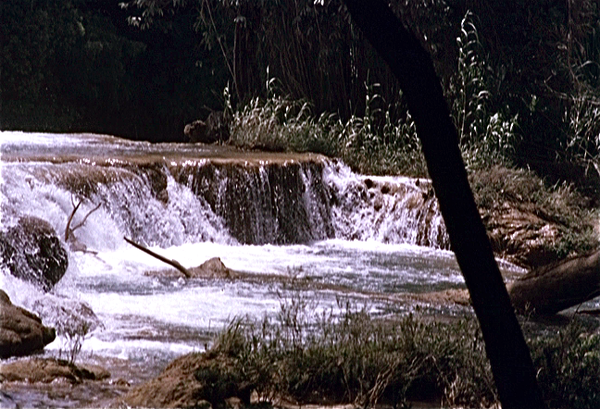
(172, 263)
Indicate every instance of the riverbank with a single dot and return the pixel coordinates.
(272, 363)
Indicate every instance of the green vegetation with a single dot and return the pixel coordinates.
(528, 90)
(370, 144)
(498, 187)
(310, 357)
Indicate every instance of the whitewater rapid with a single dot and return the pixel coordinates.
(351, 235)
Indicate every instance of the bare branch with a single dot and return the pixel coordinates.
(85, 218)
(172, 263)
(68, 230)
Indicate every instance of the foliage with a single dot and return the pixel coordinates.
(77, 65)
(495, 186)
(318, 357)
(74, 336)
(485, 135)
(523, 93)
(310, 355)
(371, 144)
(569, 364)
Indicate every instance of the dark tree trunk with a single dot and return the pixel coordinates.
(505, 345)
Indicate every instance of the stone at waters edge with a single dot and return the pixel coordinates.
(46, 370)
(214, 129)
(32, 251)
(194, 380)
(21, 332)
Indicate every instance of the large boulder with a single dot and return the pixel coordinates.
(32, 251)
(21, 332)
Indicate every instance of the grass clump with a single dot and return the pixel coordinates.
(304, 356)
(307, 357)
(370, 144)
(568, 366)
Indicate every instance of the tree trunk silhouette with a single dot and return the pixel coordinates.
(505, 345)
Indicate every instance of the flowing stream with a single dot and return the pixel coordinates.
(301, 215)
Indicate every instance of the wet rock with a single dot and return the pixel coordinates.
(195, 380)
(46, 370)
(212, 268)
(32, 251)
(520, 235)
(21, 332)
(214, 129)
(68, 316)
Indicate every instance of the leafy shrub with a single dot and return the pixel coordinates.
(568, 367)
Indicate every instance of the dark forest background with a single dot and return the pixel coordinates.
(145, 68)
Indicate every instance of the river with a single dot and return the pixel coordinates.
(355, 237)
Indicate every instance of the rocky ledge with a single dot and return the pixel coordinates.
(199, 380)
(32, 251)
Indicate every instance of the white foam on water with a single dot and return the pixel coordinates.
(141, 313)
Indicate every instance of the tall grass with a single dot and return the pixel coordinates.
(311, 358)
(384, 139)
(304, 356)
(374, 144)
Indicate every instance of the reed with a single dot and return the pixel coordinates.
(306, 356)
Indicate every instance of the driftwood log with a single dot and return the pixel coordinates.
(561, 285)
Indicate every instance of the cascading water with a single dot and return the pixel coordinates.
(275, 214)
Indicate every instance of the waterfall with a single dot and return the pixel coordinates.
(228, 198)
(279, 203)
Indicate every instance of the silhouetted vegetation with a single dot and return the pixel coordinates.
(522, 76)
(523, 92)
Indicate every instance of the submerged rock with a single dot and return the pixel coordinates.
(68, 316)
(213, 268)
(21, 332)
(32, 251)
(48, 370)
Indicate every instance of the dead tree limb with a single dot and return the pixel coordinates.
(80, 224)
(70, 230)
(172, 263)
(561, 285)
